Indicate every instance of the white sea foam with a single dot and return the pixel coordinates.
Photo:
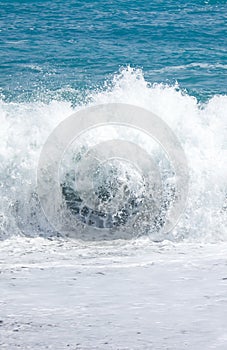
(201, 129)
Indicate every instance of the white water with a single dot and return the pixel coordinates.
(201, 129)
(125, 294)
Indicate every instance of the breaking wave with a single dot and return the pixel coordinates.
(200, 128)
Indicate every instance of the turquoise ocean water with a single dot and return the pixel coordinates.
(52, 45)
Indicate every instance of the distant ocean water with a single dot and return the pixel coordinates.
(169, 57)
(52, 45)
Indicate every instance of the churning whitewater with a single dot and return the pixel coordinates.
(200, 128)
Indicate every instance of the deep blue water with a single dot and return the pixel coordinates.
(50, 45)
